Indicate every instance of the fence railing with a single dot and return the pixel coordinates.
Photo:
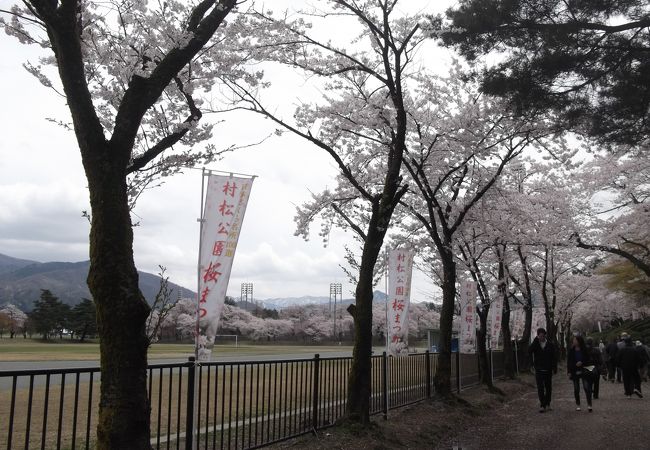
(246, 404)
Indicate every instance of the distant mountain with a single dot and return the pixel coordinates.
(9, 264)
(282, 303)
(21, 282)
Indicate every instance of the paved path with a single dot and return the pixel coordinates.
(616, 422)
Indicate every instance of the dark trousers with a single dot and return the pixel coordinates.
(596, 383)
(611, 370)
(631, 381)
(587, 385)
(544, 387)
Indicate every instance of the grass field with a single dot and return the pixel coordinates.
(36, 350)
(233, 397)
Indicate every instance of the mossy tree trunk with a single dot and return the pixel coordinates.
(123, 421)
(383, 206)
(509, 366)
(442, 379)
(122, 311)
(481, 342)
(359, 391)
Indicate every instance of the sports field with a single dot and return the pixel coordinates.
(20, 349)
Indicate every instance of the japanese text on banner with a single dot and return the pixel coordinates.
(468, 317)
(400, 271)
(496, 311)
(517, 322)
(223, 214)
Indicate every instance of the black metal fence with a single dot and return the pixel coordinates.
(247, 404)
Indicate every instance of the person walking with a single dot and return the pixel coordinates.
(620, 344)
(580, 367)
(544, 360)
(629, 361)
(611, 351)
(644, 355)
(597, 360)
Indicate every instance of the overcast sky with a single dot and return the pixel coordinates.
(43, 193)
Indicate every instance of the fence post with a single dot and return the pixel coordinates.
(458, 368)
(189, 413)
(384, 372)
(314, 400)
(428, 370)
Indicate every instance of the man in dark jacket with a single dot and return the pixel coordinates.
(630, 363)
(544, 360)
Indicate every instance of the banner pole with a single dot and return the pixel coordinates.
(386, 290)
(387, 334)
(195, 412)
(198, 267)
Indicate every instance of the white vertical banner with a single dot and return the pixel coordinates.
(400, 271)
(496, 312)
(468, 317)
(539, 321)
(517, 322)
(225, 204)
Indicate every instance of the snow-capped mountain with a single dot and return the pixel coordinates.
(282, 303)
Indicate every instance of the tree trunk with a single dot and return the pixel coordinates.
(509, 368)
(508, 356)
(360, 371)
(359, 387)
(524, 342)
(121, 311)
(443, 374)
(483, 357)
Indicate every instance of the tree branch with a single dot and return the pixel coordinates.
(642, 265)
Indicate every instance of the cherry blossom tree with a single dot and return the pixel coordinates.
(271, 329)
(614, 214)
(458, 153)
(180, 321)
(132, 74)
(604, 305)
(527, 211)
(162, 305)
(14, 319)
(361, 122)
(474, 252)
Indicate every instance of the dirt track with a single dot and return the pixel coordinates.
(616, 422)
(489, 421)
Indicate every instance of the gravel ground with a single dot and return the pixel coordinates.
(616, 422)
(483, 420)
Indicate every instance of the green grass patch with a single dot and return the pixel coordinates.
(20, 349)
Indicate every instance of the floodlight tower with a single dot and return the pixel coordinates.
(335, 290)
(246, 293)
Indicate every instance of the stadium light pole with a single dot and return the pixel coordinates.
(335, 289)
(246, 292)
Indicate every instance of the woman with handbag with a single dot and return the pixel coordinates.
(580, 366)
